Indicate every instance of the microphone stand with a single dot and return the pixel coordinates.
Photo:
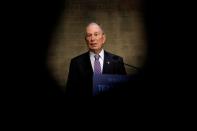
(136, 68)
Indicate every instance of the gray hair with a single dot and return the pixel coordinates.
(94, 23)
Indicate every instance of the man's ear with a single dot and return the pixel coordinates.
(104, 38)
(85, 39)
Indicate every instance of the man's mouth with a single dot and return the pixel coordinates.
(93, 44)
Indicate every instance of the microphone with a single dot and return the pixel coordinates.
(116, 58)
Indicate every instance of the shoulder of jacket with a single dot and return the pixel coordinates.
(113, 55)
(79, 57)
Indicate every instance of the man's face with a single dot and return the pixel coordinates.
(94, 38)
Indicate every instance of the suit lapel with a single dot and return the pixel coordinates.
(87, 64)
(106, 63)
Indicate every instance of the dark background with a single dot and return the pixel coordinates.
(28, 29)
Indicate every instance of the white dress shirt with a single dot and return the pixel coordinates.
(101, 59)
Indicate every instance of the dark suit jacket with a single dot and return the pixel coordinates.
(81, 74)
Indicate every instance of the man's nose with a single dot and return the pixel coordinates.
(92, 38)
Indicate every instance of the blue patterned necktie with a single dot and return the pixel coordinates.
(97, 66)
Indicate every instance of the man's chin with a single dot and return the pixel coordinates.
(94, 48)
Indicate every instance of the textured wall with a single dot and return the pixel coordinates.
(121, 20)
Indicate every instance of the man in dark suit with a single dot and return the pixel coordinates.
(95, 61)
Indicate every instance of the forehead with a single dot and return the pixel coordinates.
(93, 28)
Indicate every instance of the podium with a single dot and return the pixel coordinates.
(108, 82)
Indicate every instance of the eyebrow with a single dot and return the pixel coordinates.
(93, 33)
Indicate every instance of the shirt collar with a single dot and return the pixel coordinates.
(101, 54)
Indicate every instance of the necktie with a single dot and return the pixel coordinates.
(97, 66)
